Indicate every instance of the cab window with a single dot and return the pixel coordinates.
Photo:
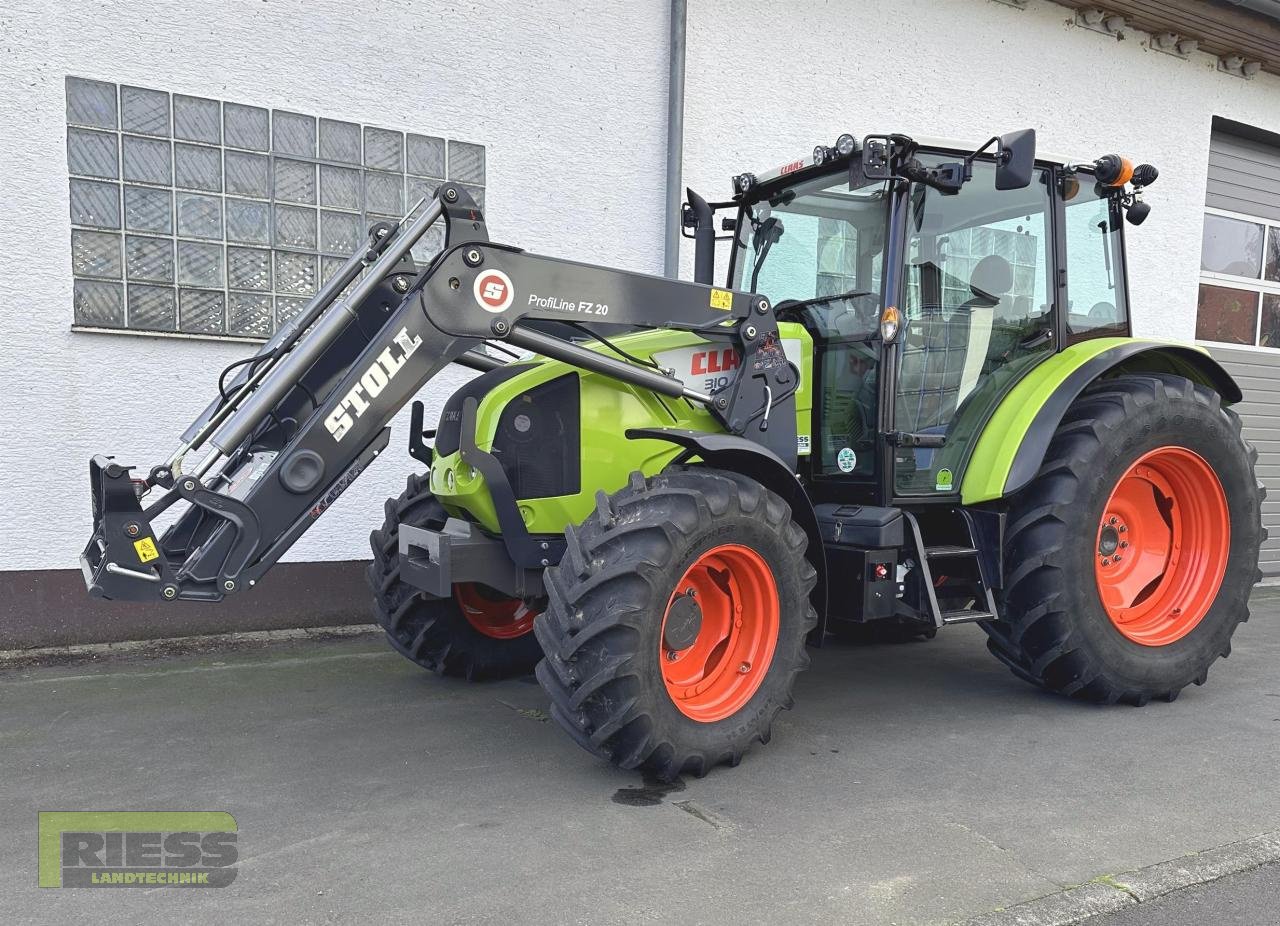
(977, 312)
(1095, 282)
(823, 267)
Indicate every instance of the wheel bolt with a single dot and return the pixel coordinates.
(1117, 559)
(744, 668)
(1113, 521)
(1124, 544)
(1105, 561)
(1123, 528)
(672, 655)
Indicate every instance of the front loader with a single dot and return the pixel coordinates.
(915, 402)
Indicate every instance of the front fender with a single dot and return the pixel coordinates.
(1013, 443)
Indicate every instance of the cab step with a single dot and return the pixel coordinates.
(985, 602)
(948, 550)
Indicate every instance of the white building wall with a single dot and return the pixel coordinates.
(766, 82)
(569, 101)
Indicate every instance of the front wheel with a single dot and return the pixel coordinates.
(676, 621)
(477, 632)
(1130, 557)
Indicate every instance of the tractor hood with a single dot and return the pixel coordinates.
(555, 428)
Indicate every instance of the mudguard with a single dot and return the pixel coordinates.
(727, 451)
(1013, 443)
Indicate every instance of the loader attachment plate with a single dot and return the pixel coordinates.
(123, 559)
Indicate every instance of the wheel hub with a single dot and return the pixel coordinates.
(683, 624)
(1162, 546)
(719, 632)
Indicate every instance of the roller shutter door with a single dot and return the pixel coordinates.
(1244, 178)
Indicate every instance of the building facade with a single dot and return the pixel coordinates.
(178, 177)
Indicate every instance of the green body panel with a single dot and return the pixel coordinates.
(988, 469)
(608, 409)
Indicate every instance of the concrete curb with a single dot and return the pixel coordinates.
(1110, 893)
(173, 646)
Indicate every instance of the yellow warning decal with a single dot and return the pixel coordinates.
(721, 299)
(146, 548)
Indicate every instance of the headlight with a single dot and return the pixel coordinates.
(845, 145)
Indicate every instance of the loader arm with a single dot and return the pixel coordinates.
(309, 412)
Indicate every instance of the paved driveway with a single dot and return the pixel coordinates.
(912, 784)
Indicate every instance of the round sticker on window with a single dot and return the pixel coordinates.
(846, 459)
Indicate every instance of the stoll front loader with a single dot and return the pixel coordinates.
(914, 402)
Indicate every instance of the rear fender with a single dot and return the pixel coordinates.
(1014, 442)
(727, 451)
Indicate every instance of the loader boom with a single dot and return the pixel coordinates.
(309, 412)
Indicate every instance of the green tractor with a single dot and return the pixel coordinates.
(914, 402)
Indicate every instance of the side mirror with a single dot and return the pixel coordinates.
(1015, 160)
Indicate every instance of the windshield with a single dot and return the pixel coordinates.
(815, 240)
(816, 250)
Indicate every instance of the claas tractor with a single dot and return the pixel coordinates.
(914, 401)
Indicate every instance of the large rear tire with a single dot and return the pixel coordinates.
(1130, 557)
(676, 621)
(477, 634)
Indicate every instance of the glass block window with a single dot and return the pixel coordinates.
(202, 216)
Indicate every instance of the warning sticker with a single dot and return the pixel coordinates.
(944, 481)
(146, 549)
(803, 445)
(721, 299)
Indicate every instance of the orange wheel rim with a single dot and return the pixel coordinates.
(717, 666)
(492, 614)
(1162, 546)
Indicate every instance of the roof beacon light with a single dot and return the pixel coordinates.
(1113, 170)
(846, 145)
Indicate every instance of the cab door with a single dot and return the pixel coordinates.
(977, 306)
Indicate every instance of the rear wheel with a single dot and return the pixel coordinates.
(676, 622)
(1130, 557)
(477, 633)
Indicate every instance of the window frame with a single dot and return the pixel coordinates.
(1259, 285)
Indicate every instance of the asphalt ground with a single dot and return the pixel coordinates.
(913, 784)
(1249, 898)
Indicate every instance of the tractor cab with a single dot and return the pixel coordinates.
(931, 281)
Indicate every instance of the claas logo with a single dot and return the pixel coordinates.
(706, 362)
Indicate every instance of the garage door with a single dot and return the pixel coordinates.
(1238, 317)
(1258, 374)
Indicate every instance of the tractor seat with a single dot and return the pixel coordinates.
(944, 364)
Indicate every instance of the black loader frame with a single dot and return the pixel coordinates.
(309, 411)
